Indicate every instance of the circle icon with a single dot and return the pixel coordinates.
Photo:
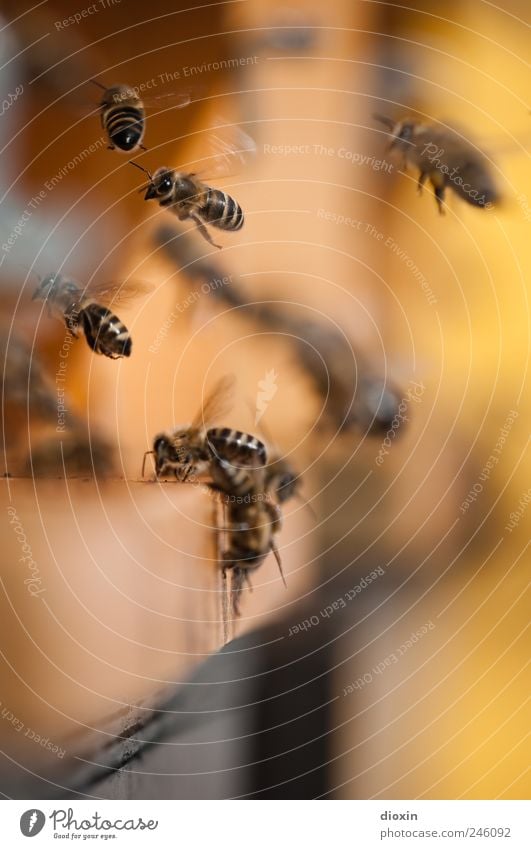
(32, 822)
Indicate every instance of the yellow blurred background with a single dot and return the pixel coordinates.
(124, 617)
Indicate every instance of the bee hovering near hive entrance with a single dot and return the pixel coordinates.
(444, 157)
(123, 115)
(189, 197)
(81, 309)
(189, 451)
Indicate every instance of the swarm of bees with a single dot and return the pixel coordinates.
(251, 482)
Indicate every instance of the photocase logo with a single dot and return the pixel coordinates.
(267, 389)
(32, 822)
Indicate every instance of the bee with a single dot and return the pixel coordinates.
(352, 394)
(186, 195)
(123, 116)
(444, 157)
(252, 519)
(29, 397)
(104, 332)
(75, 454)
(192, 450)
(375, 405)
(251, 529)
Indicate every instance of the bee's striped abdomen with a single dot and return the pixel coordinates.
(234, 481)
(124, 126)
(104, 332)
(221, 210)
(235, 446)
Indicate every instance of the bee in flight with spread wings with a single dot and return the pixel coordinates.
(186, 195)
(123, 114)
(445, 157)
(86, 309)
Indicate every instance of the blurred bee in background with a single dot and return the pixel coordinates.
(26, 389)
(192, 450)
(75, 454)
(81, 308)
(186, 195)
(352, 394)
(123, 115)
(30, 409)
(444, 157)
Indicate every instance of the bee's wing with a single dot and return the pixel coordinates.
(172, 99)
(227, 151)
(216, 403)
(116, 293)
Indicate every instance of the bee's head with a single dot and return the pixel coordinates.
(161, 184)
(45, 288)
(401, 132)
(174, 450)
(118, 94)
(163, 451)
(402, 136)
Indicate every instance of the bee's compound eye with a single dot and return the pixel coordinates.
(406, 132)
(160, 446)
(164, 185)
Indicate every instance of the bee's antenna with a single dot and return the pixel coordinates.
(383, 119)
(145, 170)
(144, 461)
(100, 85)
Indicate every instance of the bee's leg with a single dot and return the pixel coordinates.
(275, 551)
(422, 179)
(437, 181)
(203, 230)
(225, 605)
(238, 578)
(439, 197)
(72, 323)
(219, 530)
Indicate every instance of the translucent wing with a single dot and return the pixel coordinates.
(116, 293)
(171, 99)
(227, 151)
(216, 403)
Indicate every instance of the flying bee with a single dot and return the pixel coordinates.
(123, 116)
(188, 197)
(81, 310)
(444, 157)
(191, 450)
